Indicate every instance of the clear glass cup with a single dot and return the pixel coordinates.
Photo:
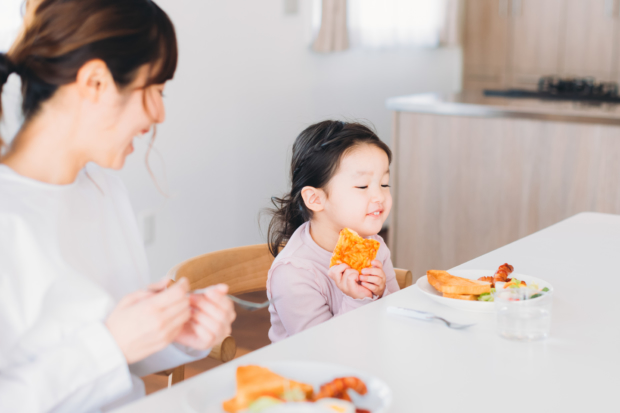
(520, 317)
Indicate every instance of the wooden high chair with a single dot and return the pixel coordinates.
(245, 270)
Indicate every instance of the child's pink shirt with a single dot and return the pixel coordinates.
(302, 294)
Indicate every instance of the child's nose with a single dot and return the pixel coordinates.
(378, 196)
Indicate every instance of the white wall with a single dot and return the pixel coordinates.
(246, 85)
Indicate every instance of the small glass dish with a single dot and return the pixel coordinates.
(523, 314)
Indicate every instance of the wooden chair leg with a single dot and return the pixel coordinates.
(224, 351)
(178, 375)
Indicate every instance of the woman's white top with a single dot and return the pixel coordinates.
(68, 254)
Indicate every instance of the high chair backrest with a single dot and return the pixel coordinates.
(244, 269)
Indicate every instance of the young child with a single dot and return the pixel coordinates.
(339, 179)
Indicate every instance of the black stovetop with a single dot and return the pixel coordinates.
(556, 88)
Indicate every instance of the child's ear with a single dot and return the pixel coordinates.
(314, 198)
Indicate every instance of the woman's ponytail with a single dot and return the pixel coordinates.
(316, 156)
(6, 68)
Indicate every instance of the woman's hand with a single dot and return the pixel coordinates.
(346, 279)
(212, 316)
(374, 278)
(145, 322)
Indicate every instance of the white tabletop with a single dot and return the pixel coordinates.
(431, 368)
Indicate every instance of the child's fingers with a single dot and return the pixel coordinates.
(371, 287)
(373, 271)
(376, 264)
(336, 273)
(371, 279)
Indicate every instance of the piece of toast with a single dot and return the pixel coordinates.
(450, 284)
(468, 297)
(355, 251)
(255, 381)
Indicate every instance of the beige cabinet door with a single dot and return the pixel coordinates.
(590, 39)
(485, 41)
(535, 39)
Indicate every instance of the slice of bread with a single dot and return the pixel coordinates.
(468, 297)
(450, 284)
(256, 381)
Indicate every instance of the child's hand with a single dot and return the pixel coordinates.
(346, 279)
(374, 278)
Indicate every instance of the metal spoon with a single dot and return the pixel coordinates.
(246, 305)
(423, 315)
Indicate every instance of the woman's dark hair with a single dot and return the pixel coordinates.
(317, 153)
(63, 35)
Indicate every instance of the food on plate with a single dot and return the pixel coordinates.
(255, 381)
(469, 297)
(503, 272)
(337, 388)
(500, 276)
(259, 389)
(457, 287)
(354, 250)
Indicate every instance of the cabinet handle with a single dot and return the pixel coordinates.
(516, 8)
(502, 8)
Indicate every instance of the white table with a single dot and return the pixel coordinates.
(431, 368)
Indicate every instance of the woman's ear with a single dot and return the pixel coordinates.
(93, 79)
(314, 198)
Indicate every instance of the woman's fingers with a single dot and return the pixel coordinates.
(215, 323)
(221, 312)
(159, 285)
(133, 298)
(177, 292)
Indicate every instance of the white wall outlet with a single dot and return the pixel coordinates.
(291, 7)
(146, 223)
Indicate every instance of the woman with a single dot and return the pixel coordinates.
(78, 323)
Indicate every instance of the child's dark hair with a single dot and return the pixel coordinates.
(316, 156)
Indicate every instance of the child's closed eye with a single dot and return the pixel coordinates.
(385, 186)
(362, 187)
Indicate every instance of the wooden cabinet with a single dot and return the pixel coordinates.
(464, 186)
(535, 39)
(589, 39)
(485, 37)
(512, 43)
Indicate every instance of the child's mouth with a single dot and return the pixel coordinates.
(375, 214)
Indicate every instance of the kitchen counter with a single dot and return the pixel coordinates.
(471, 173)
(474, 103)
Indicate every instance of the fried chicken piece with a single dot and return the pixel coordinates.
(503, 272)
(488, 279)
(338, 388)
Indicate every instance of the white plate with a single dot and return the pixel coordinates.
(481, 306)
(377, 400)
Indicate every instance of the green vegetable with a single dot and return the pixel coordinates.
(485, 297)
(263, 403)
(514, 283)
(545, 289)
(294, 395)
(536, 296)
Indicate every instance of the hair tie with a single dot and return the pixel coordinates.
(6, 68)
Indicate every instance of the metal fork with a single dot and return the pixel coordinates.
(426, 316)
(246, 305)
